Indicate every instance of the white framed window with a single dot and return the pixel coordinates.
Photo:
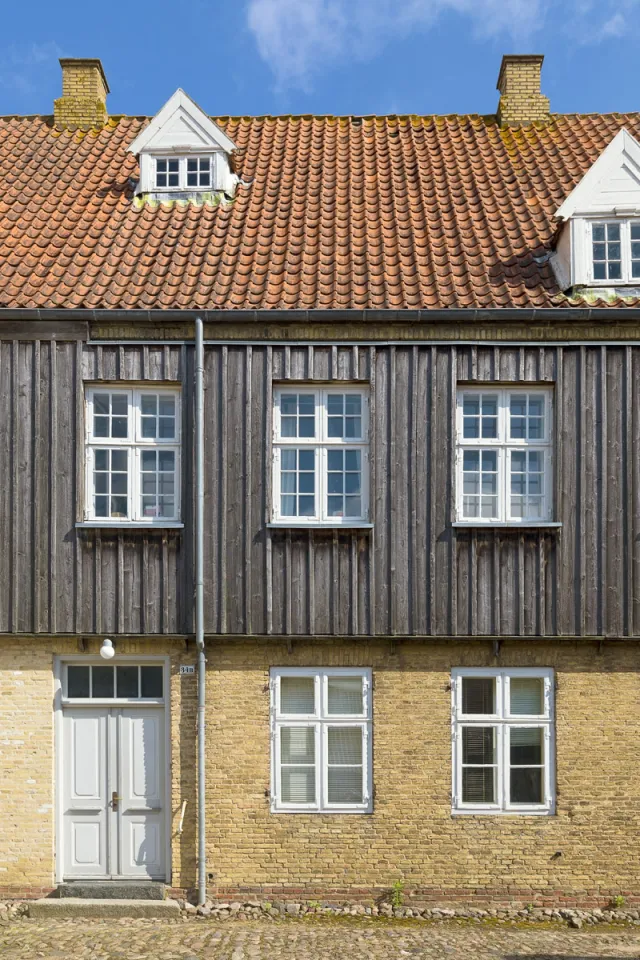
(321, 740)
(504, 456)
(123, 681)
(614, 251)
(503, 745)
(183, 173)
(132, 455)
(320, 456)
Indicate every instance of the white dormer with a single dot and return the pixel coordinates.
(183, 152)
(599, 244)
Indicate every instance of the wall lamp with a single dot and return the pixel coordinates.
(107, 651)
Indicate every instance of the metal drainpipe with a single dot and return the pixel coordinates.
(199, 545)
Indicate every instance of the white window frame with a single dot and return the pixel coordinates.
(321, 720)
(505, 446)
(182, 172)
(502, 720)
(135, 443)
(582, 233)
(321, 444)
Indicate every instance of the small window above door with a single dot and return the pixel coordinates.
(123, 681)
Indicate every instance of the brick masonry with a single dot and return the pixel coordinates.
(411, 835)
(521, 101)
(84, 95)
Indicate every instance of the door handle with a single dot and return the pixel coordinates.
(115, 800)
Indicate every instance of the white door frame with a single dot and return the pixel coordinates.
(59, 662)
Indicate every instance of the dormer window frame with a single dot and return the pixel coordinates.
(184, 173)
(629, 242)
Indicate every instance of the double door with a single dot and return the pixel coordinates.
(113, 791)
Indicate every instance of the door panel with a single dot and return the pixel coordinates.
(142, 786)
(85, 792)
(109, 751)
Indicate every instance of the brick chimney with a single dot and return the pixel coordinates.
(519, 84)
(84, 95)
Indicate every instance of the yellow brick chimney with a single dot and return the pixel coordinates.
(521, 101)
(84, 94)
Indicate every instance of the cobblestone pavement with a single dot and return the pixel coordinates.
(305, 940)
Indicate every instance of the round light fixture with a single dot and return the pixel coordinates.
(106, 650)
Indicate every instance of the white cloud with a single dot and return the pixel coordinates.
(296, 38)
(299, 38)
(23, 65)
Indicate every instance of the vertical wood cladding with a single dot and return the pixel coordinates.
(412, 574)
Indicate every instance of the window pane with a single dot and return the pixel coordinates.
(598, 231)
(478, 745)
(526, 696)
(297, 412)
(344, 785)
(615, 271)
(344, 745)
(101, 403)
(297, 745)
(78, 684)
(478, 752)
(102, 681)
(127, 681)
(119, 460)
(478, 785)
(344, 695)
(298, 784)
(151, 681)
(526, 785)
(479, 695)
(526, 747)
(297, 695)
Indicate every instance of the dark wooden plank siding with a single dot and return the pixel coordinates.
(413, 574)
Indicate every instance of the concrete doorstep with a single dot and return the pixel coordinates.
(66, 907)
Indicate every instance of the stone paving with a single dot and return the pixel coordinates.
(309, 940)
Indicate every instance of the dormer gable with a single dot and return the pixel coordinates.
(599, 237)
(612, 184)
(183, 153)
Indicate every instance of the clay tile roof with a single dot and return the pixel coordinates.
(334, 213)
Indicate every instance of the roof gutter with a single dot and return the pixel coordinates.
(506, 315)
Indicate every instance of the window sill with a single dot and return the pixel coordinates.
(491, 524)
(314, 811)
(301, 525)
(128, 525)
(526, 812)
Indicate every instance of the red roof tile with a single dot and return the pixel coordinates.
(377, 212)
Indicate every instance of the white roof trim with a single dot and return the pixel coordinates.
(624, 150)
(207, 135)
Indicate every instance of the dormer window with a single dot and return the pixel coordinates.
(167, 173)
(184, 155)
(199, 171)
(598, 243)
(615, 250)
(183, 173)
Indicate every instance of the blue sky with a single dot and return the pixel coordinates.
(323, 56)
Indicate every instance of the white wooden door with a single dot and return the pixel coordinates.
(113, 792)
(141, 813)
(85, 795)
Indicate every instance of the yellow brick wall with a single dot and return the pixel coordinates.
(84, 95)
(27, 798)
(411, 836)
